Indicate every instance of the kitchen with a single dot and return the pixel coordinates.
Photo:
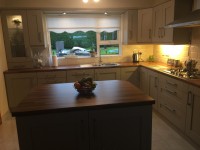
(161, 52)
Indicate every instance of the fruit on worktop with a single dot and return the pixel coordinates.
(85, 85)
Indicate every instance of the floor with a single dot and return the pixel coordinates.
(164, 137)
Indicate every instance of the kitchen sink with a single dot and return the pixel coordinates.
(106, 64)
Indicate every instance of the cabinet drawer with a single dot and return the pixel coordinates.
(173, 110)
(52, 74)
(51, 80)
(172, 83)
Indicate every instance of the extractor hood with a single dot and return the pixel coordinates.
(191, 20)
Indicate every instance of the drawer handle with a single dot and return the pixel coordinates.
(171, 92)
(173, 84)
(167, 107)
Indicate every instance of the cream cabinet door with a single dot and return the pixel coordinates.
(76, 75)
(18, 85)
(35, 24)
(193, 113)
(145, 25)
(130, 74)
(144, 80)
(107, 74)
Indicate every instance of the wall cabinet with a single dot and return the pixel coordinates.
(107, 74)
(145, 25)
(130, 74)
(18, 85)
(36, 28)
(22, 29)
(108, 129)
(193, 113)
(129, 19)
(166, 13)
(51, 77)
(76, 75)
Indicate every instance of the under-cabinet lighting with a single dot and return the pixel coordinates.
(86, 1)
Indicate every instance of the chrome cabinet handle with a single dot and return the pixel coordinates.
(171, 92)
(173, 84)
(168, 108)
(189, 99)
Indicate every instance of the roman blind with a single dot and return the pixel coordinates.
(86, 22)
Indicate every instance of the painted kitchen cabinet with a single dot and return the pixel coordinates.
(54, 131)
(153, 87)
(16, 39)
(22, 30)
(51, 77)
(130, 26)
(18, 85)
(172, 100)
(144, 80)
(76, 75)
(130, 74)
(106, 129)
(145, 25)
(166, 13)
(107, 74)
(36, 28)
(193, 113)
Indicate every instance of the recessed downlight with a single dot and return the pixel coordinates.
(85, 1)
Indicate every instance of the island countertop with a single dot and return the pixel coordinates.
(63, 97)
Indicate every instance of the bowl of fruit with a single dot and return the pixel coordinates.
(85, 86)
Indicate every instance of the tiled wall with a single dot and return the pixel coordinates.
(127, 51)
(181, 52)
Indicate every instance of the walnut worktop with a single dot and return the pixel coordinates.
(63, 97)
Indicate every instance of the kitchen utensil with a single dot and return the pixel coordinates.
(135, 57)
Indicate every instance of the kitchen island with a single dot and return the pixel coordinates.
(116, 116)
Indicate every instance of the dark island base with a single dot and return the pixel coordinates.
(122, 128)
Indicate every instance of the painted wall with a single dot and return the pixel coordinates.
(104, 4)
(3, 67)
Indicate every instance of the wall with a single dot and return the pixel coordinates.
(78, 4)
(3, 67)
(127, 51)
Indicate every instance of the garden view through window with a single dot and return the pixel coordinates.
(81, 43)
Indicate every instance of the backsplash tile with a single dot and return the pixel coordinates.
(127, 51)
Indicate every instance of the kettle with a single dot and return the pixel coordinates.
(135, 57)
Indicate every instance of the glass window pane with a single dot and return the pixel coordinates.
(78, 43)
(108, 35)
(109, 49)
(16, 35)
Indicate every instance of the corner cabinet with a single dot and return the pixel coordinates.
(145, 25)
(166, 13)
(193, 113)
(129, 19)
(106, 129)
(22, 30)
(18, 85)
(130, 74)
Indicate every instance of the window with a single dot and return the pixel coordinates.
(80, 35)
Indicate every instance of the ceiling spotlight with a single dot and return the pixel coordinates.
(64, 13)
(96, 1)
(85, 1)
(105, 13)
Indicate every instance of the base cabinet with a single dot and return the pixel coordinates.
(113, 128)
(107, 74)
(18, 85)
(76, 75)
(193, 113)
(144, 80)
(130, 74)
